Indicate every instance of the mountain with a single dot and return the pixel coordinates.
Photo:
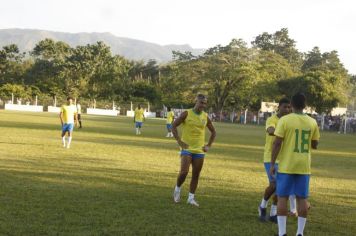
(134, 49)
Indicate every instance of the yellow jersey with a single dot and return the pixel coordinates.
(68, 112)
(139, 115)
(270, 122)
(193, 131)
(170, 117)
(297, 131)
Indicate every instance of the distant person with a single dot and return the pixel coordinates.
(296, 134)
(79, 113)
(170, 119)
(67, 115)
(192, 144)
(139, 118)
(271, 123)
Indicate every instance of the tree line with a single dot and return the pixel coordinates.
(234, 76)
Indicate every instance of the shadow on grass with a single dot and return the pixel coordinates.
(98, 201)
(122, 202)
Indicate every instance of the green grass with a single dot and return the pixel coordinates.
(112, 182)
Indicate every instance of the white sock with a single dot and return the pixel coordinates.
(282, 225)
(69, 140)
(273, 211)
(190, 196)
(264, 203)
(136, 130)
(301, 225)
(171, 134)
(64, 140)
(292, 204)
(177, 189)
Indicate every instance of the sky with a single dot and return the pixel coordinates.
(328, 24)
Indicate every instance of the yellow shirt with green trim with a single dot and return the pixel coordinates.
(270, 122)
(68, 112)
(139, 115)
(297, 131)
(193, 131)
(170, 117)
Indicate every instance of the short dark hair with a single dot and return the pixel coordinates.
(201, 96)
(168, 108)
(69, 98)
(299, 101)
(283, 101)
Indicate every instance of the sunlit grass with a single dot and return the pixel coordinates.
(112, 182)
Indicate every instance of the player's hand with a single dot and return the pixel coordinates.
(206, 148)
(183, 145)
(272, 170)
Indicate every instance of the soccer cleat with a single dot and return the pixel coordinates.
(299, 235)
(68, 146)
(176, 196)
(168, 136)
(262, 212)
(273, 219)
(192, 202)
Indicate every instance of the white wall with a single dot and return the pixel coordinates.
(103, 112)
(15, 107)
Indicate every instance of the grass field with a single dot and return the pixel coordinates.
(112, 182)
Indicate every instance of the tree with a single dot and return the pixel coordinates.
(323, 89)
(11, 70)
(282, 44)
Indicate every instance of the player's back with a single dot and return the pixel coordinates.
(297, 131)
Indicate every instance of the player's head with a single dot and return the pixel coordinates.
(200, 102)
(298, 101)
(169, 108)
(284, 106)
(139, 106)
(69, 100)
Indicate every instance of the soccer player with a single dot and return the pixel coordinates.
(68, 115)
(271, 123)
(192, 144)
(139, 117)
(79, 113)
(170, 119)
(298, 133)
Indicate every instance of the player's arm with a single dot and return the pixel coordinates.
(76, 118)
(270, 130)
(315, 138)
(270, 126)
(314, 144)
(177, 123)
(61, 117)
(275, 150)
(173, 118)
(212, 135)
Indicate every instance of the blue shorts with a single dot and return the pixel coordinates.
(67, 127)
(169, 126)
(271, 178)
(292, 184)
(193, 155)
(138, 124)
